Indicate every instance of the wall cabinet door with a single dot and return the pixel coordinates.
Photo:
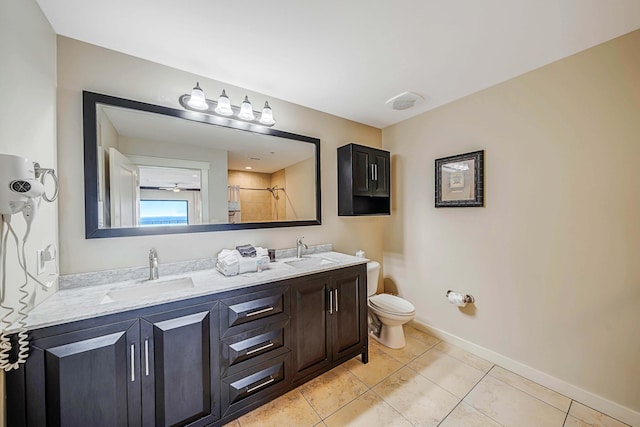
(380, 185)
(310, 326)
(179, 367)
(85, 378)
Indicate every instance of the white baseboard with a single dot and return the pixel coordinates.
(585, 397)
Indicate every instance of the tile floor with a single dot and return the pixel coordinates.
(427, 383)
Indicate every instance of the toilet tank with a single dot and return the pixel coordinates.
(373, 271)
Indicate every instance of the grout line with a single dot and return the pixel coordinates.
(307, 400)
(566, 417)
(391, 406)
(529, 394)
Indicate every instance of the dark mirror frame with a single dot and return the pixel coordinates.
(90, 100)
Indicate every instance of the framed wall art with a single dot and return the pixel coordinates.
(460, 180)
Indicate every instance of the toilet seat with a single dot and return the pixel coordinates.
(392, 304)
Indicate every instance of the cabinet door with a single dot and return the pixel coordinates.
(380, 185)
(362, 171)
(348, 320)
(85, 378)
(309, 326)
(179, 367)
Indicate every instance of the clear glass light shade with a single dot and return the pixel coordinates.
(246, 110)
(224, 105)
(197, 99)
(267, 115)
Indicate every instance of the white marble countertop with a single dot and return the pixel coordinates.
(79, 303)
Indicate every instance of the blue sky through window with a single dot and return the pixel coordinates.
(164, 212)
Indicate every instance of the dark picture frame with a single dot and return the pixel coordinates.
(460, 180)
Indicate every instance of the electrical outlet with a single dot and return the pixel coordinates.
(40, 267)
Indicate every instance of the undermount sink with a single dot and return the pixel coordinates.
(151, 287)
(308, 262)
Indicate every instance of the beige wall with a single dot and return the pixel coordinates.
(85, 67)
(27, 128)
(552, 258)
(300, 198)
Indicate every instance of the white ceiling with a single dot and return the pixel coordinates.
(347, 57)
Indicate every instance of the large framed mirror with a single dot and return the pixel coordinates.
(151, 169)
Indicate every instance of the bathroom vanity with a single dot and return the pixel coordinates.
(198, 355)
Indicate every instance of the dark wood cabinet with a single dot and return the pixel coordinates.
(363, 181)
(328, 321)
(198, 362)
(310, 326)
(83, 378)
(179, 367)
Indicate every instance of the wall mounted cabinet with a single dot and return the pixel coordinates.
(364, 183)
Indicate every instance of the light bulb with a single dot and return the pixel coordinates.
(224, 105)
(197, 99)
(246, 110)
(267, 115)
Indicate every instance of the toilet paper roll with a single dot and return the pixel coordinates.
(456, 299)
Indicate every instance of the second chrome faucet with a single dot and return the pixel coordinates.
(153, 264)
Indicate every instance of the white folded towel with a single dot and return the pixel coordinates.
(231, 263)
(262, 252)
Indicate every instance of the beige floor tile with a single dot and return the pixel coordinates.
(592, 417)
(380, 366)
(536, 390)
(419, 400)
(512, 407)
(290, 409)
(332, 390)
(465, 356)
(413, 349)
(234, 423)
(369, 410)
(574, 422)
(411, 332)
(466, 416)
(449, 373)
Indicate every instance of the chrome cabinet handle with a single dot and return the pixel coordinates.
(336, 291)
(133, 363)
(255, 350)
(331, 301)
(146, 357)
(264, 310)
(269, 381)
(373, 167)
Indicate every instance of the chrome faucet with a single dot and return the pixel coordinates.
(300, 246)
(153, 264)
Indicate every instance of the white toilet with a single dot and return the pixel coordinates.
(392, 311)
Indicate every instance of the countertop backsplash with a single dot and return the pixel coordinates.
(96, 278)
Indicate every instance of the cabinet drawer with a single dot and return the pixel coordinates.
(251, 385)
(240, 351)
(246, 310)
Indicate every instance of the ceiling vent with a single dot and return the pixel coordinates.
(404, 101)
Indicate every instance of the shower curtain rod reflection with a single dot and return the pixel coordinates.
(274, 188)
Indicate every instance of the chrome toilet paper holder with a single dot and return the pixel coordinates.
(468, 299)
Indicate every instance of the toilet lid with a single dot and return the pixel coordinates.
(392, 304)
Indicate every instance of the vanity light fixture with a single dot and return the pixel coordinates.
(197, 99)
(246, 110)
(223, 108)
